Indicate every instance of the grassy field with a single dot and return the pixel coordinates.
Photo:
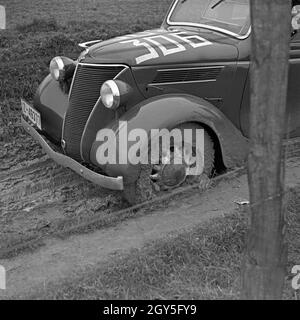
(120, 14)
(37, 31)
(203, 263)
(40, 29)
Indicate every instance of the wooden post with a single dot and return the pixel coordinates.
(265, 259)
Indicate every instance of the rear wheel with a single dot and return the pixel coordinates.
(167, 174)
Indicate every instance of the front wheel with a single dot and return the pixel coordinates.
(169, 173)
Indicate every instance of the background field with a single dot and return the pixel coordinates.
(41, 29)
(37, 31)
(123, 13)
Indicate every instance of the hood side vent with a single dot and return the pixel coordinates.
(201, 74)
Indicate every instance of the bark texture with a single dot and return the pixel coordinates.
(265, 259)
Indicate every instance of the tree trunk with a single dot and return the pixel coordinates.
(265, 259)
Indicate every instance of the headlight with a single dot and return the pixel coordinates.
(62, 68)
(114, 93)
(110, 94)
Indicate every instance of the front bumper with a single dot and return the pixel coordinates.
(65, 161)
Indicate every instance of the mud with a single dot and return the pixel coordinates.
(38, 196)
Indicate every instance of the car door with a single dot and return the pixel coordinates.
(293, 94)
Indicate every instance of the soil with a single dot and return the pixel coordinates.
(39, 197)
(43, 192)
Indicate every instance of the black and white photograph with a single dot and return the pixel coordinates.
(149, 153)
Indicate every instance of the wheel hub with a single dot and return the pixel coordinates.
(173, 175)
(175, 167)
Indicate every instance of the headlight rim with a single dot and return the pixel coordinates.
(61, 67)
(58, 65)
(116, 94)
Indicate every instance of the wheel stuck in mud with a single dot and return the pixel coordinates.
(168, 174)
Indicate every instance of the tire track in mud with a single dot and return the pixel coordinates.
(40, 199)
(37, 197)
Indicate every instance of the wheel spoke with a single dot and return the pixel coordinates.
(154, 177)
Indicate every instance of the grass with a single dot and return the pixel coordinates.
(122, 13)
(38, 30)
(203, 263)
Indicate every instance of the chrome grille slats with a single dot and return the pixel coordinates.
(83, 97)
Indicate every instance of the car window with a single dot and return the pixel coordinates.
(232, 16)
(295, 22)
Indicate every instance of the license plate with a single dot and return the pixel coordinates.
(33, 115)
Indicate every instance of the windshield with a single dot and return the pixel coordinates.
(228, 16)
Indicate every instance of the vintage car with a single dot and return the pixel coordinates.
(192, 72)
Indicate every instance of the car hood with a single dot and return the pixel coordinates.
(163, 46)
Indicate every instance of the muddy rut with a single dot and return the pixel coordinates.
(38, 197)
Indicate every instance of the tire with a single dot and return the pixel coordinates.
(143, 189)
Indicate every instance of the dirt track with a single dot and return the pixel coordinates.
(59, 259)
(38, 197)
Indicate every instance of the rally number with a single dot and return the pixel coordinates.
(156, 44)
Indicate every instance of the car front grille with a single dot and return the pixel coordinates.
(84, 94)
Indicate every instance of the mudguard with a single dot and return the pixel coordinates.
(52, 103)
(169, 111)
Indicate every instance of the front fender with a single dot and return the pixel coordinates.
(52, 103)
(171, 110)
